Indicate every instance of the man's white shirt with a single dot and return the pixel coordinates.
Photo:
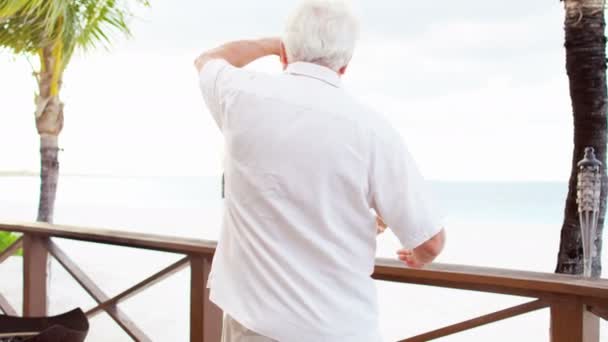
(304, 164)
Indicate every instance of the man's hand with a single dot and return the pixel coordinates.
(380, 225)
(425, 253)
(409, 257)
(242, 52)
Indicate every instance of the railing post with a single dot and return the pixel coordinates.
(35, 258)
(571, 322)
(205, 317)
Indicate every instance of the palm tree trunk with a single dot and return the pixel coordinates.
(586, 67)
(49, 123)
(49, 175)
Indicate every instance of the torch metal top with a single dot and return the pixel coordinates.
(589, 160)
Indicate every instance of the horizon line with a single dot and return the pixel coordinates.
(29, 173)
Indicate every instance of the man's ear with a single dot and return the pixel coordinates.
(342, 70)
(283, 56)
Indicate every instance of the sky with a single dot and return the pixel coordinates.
(478, 89)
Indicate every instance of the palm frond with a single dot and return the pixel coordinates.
(103, 19)
(29, 25)
(11, 7)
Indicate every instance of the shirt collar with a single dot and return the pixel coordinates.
(315, 71)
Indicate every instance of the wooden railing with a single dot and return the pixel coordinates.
(37, 243)
(575, 303)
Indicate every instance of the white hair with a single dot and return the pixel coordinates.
(323, 32)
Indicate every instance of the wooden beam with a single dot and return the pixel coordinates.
(35, 265)
(479, 321)
(6, 307)
(513, 282)
(170, 244)
(205, 317)
(11, 250)
(600, 311)
(494, 280)
(97, 294)
(141, 286)
(571, 322)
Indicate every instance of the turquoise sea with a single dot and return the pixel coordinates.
(507, 225)
(480, 202)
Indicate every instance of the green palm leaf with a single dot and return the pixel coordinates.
(26, 26)
(7, 239)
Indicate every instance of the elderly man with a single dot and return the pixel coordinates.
(305, 164)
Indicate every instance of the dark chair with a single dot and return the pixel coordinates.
(71, 326)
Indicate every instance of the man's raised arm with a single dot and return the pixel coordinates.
(242, 52)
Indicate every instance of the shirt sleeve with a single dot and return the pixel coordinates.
(219, 83)
(400, 195)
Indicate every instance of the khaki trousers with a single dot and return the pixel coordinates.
(233, 331)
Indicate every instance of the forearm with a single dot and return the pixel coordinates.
(428, 251)
(425, 253)
(424, 256)
(242, 52)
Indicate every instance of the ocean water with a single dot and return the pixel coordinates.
(506, 225)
